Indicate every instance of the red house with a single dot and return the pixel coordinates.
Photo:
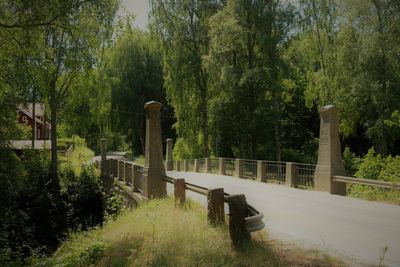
(25, 116)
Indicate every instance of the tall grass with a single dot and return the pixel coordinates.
(158, 233)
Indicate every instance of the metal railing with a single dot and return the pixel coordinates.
(368, 182)
(275, 171)
(214, 165)
(230, 167)
(250, 169)
(253, 220)
(305, 175)
(190, 164)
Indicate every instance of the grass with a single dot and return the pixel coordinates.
(158, 233)
(374, 194)
(80, 155)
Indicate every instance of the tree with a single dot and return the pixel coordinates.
(182, 27)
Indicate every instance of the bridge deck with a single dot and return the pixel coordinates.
(354, 229)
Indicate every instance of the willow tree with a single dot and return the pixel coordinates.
(182, 27)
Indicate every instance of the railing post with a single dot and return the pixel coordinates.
(329, 154)
(237, 223)
(168, 155)
(239, 168)
(196, 165)
(221, 164)
(291, 174)
(119, 174)
(215, 206)
(185, 165)
(154, 170)
(261, 171)
(207, 165)
(180, 191)
(178, 165)
(127, 173)
(135, 178)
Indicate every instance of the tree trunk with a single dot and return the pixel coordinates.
(53, 132)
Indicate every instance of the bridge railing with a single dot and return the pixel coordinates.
(298, 175)
(248, 221)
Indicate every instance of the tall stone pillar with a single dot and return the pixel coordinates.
(329, 153)
(153, 183)
(168, 155)
(103, 163)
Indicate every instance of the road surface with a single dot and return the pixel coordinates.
(353, 229)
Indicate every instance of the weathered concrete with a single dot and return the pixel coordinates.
(168, 155)
(215, 206)
(291, 174)
(237, 224)
(261, 171)
(353, 229)
(221, 164)
(329, 154)
(153, 183)
(239, 168)
(207, 165)
(196, 165)
(180, 191)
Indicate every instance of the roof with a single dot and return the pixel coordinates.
(26, 144)
(30, 115)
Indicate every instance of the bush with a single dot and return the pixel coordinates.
(84, 198)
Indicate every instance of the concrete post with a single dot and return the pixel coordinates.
(178, 165)
(135, 178)
(103, 157)
(185, 165)
(291, 175)
(207, 165)
(128, 173)
(237, 223)
(261, 171)
(329, 153)
(239, 168)
(180, 191)
(215, 206)
(154, 170)
(221, 166)
(196, 165)
(168, 155)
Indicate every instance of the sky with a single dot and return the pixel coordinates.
(140, 8)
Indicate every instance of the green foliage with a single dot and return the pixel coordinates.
(85, 199)
(374, 166)
(351, 162)
(186, 150)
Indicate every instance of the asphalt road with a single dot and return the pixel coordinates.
(352, 229)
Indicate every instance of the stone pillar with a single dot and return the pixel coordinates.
(168, 155)
(207, 165)
(239, 168)
(196, 165)
(329, 154)
(185, 165)
(215, 206)
(221, 166)
(154, 171)
(291, 174)
(237, 223)
(179, 191)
